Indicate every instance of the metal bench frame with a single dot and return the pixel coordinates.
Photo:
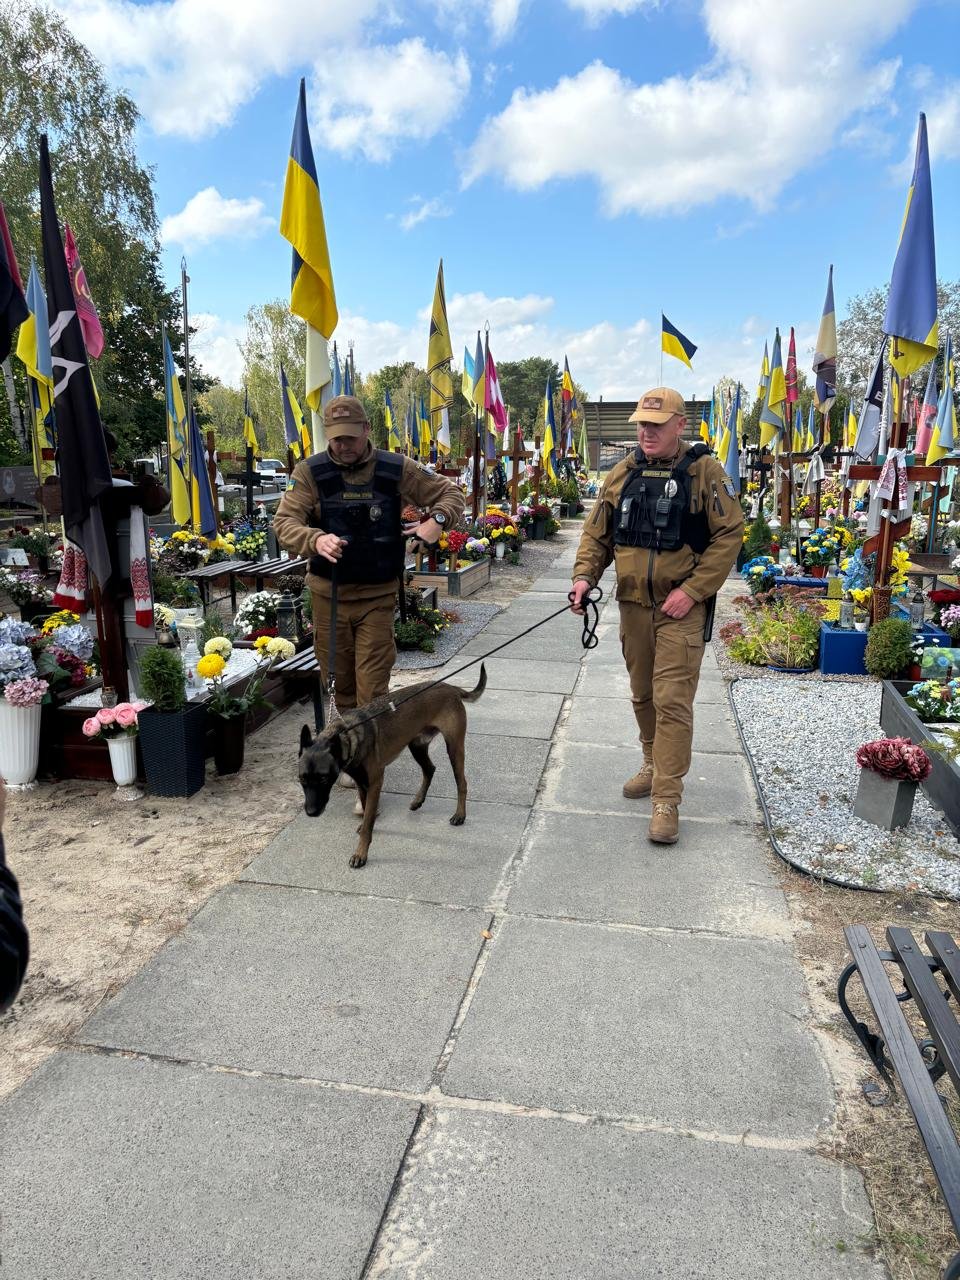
(918, 1065)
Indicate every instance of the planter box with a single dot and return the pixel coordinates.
(842, 652)
(464, 581)
(174, 749)
(898, 720)
(933, 634)
(883, 801)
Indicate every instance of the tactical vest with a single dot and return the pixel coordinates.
(654, 510)
(367, 515)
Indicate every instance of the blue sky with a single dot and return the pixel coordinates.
(579, 165)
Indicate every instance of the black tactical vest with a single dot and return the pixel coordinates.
(367, 515)
(654, 510)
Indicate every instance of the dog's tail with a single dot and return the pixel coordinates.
(471, 695)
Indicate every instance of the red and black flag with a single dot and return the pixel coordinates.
(84, 464)
(13, 305)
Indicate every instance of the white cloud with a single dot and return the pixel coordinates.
(216, 345)
(370, 99)
(503, 18)
(596, 10)
(424, 209)
(210, 216)
(737, 127)
(190, 64)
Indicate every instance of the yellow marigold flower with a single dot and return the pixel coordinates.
(210, 666)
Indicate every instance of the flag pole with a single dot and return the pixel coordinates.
(188, 456)
(661, 348)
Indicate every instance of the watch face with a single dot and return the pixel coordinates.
(440, 518)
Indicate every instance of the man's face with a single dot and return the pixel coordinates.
(348, 449)
(660, 439)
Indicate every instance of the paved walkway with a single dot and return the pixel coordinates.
(533, 1047)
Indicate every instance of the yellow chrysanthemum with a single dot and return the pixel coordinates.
(261, 642)
(219, 645)
(210, 666)
(278, 647)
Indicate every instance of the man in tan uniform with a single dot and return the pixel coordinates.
(669, 517)
(344, 512)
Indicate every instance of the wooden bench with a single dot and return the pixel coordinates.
(895, 1048)
(268, 571)
(208, 574)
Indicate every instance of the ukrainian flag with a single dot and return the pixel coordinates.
(466, 382)
(851, 427)
(439, 354)
(426, 436)
(249, 435)
(764, 375)
(825, 356)
(312, 295)
(479, 368)
(393, 440)
(413, 431)
(294, 426)
(705, 426)
(674, 343)
(204, 515)
(944, 438)
(911, 318)
(810, 436)
(731, 462)
(771, 415)
(549, 432)
(33, 349)
(176, 440)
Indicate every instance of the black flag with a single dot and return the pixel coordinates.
(13, 306)
(83, 461)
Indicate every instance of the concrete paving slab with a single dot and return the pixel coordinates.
(685, 1030)
(130, 1168)
(514, 673)
(505, 770)
(605, 721)
(330, 987)
(515, 712)
(558, 646)
(589, 777)
(554, 585)
(415, 856)
(495, 1196)
(603, 680)
(597, 867)
(518, 618)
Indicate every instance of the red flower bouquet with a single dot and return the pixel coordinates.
(895, 758)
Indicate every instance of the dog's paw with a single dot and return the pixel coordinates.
(416, 804)
(458, 820)
(358, 860)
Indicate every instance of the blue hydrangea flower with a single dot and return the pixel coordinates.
(13, 632)
(76, 639)
(16, 663)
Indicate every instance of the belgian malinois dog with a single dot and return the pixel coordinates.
(364, 742)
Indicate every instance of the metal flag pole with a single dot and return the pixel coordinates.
(188, 455)
(166, 393)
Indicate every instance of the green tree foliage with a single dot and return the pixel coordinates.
(860, 332)
(50, 83)
(274, 336)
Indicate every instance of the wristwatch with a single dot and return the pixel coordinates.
(440, 518)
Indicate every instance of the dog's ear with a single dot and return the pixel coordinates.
(306, 738)
(335, 747)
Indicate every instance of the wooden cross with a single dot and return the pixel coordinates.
(517, 455)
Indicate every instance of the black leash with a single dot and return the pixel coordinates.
(588, 639)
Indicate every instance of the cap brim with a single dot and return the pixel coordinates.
(660, 416)
(337, 429)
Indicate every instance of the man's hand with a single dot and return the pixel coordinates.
(580, 589)
(427, 531)
(330, 546)
(677, 604)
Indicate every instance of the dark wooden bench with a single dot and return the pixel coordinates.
(268, 571)
(895, 1049)
(208, 574)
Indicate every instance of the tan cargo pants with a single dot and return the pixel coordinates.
(663, 657)
(365, 649)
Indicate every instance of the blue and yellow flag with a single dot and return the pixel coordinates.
(731, 461)
(705, 425)
(204, 515)
(810, 435)
(294, 426)
(426, 435)
(249, 435)
(674, 343)
(348, 375)
(825, 356)
(413, 430)
(944, 438)
(549, 432)
(466, 381)
(33, 349)
(764, 375)
(176, 440)
(337, 375)
(771, 415)
(439, 356)
(911, 318)
(393, 440)
(479, 370)
(312, 295)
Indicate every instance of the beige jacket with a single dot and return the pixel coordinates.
(645, 576)
(299, 515)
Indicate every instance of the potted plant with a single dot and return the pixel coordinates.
(935, 701)
(172, 732)
(20, 722)
(27, 591)
(788, 635)
(819, 549)
(118, 727)
(890, 771)
(950, 622)
(229, 710)
(889, 649)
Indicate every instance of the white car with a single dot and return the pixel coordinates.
(270, 467)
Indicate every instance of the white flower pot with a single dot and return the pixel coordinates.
(123, 759)
(19, 743)
(500, 549)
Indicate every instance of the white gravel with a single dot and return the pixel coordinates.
(803, 736)
(241, 662)
(473, 618)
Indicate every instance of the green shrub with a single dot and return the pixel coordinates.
(162, 679)
(175, 593)
(759, 539)
(888, 648)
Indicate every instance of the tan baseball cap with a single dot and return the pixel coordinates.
(344, 416)
(658, 405)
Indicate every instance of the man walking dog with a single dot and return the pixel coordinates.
(343, 511)
(668, 516)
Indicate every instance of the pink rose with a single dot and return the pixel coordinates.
(91, 727)
(107, 715)
(139, 706)
(126, 716)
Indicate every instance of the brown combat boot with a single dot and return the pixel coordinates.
(664, 824)
(641, 784)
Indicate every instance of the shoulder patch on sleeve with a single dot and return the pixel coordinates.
(729, 486)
